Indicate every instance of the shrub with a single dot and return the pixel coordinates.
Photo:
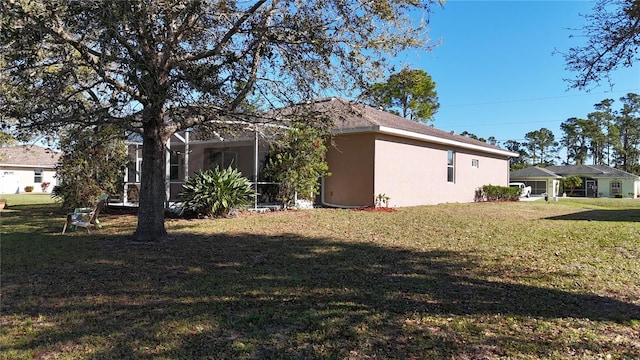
(382, 199)
(497, 193)
(297, 161)
(28, 188)
(216, 192)
(93, 163)
(44, 186)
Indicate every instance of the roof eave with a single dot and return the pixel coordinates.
(426, 138)
(28, 166)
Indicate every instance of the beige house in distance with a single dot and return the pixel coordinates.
(372, 152)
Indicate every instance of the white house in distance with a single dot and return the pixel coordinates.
(27, 165)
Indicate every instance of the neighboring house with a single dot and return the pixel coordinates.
(27, 165)
(372, 152)
(597, 180)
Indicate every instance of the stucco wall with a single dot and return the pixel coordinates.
(414, 173)
(627, 186)
(14, 179)
(351, 164)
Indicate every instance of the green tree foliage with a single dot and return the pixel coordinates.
(571, 182)
(602, 132)
(613, 33)
(490, 140)
(542, 146)
(157, 67)
(297, 161)
(627, 122)
(575, 140)
(6, 139)
(93, 163)
(521, 161)
(408, 93)
(607, 136)
(215, 192)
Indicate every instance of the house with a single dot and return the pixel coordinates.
(597, 180)
(27, 165)
(376, 152)
(372, 152)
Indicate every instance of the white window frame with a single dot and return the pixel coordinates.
(451, 166)
(615, 189)
(37, 176)
(174, 166)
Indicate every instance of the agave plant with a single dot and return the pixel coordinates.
(216, 192)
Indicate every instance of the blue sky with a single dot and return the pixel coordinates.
(496, 73)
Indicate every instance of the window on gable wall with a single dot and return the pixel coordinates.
(451, 166)
(37, 176)
(475, 163)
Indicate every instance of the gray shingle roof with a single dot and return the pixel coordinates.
(594, 171)
(28, 155)
(351, 116)
(533, 172)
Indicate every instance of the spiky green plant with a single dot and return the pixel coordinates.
(216, 192)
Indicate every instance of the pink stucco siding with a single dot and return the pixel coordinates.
(409, 172)
(415, 173)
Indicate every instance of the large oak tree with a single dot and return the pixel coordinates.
(158, 67)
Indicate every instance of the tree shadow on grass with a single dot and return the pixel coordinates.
(250, 296)
(630, 215)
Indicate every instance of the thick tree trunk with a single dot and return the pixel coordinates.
(152, 189)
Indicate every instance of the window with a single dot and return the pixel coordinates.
(37, 176)
(174, 166)
(133, 171)
(221, 159)
(615, 187)
(475, 163)
(451, 166)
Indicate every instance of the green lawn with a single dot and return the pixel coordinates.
(522, 280)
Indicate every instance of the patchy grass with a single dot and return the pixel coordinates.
(461, 281)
